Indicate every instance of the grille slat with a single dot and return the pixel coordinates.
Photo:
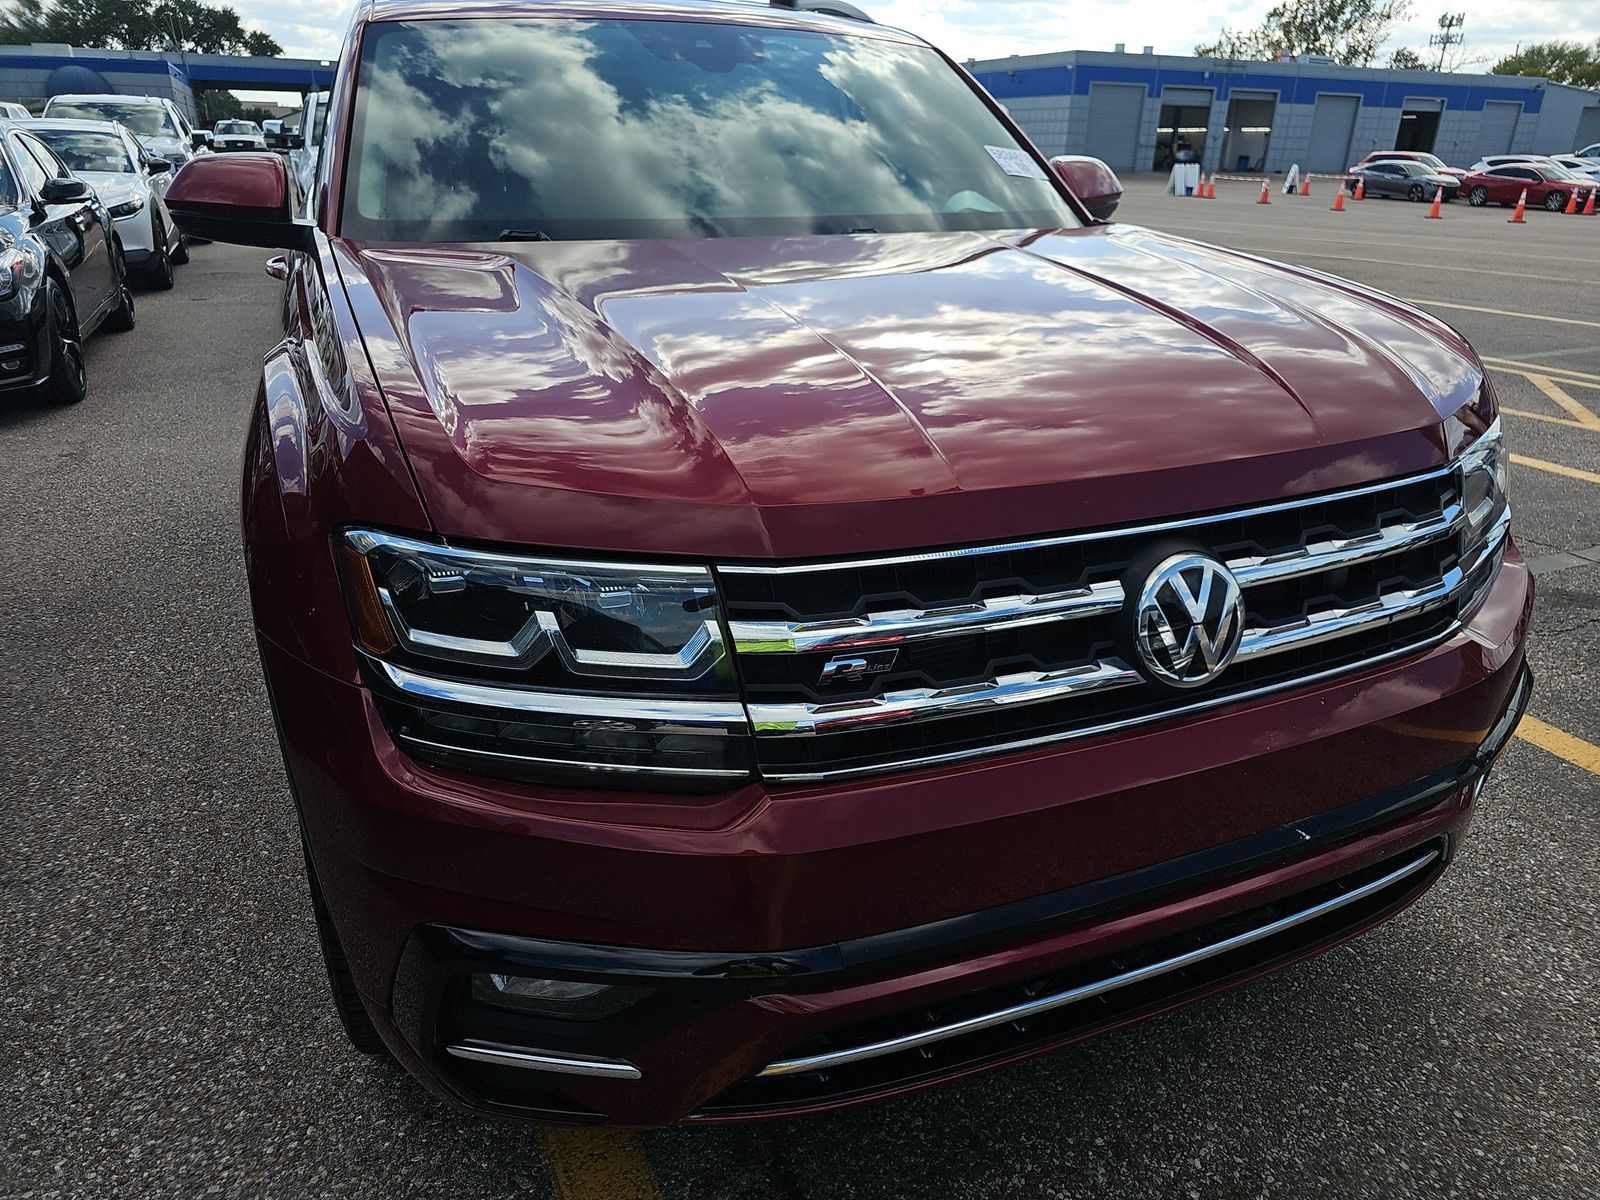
(1008, 646)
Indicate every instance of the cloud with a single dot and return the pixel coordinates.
(987, 29)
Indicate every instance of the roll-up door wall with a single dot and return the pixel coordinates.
(1332, 124)
(1115, 113)
(1497, 127)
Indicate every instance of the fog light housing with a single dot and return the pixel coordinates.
(560, 999)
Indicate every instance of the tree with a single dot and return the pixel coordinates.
(1348, 31)
(1564, 62)
(1405, 59)
(190, 25)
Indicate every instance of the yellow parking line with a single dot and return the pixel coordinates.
(1539, 464)
(1564, 374)
(1546, 417)
(1555, 391)
(1501, 312)
(598, 1164)
(1563, 745)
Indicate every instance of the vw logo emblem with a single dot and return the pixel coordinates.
(1189, 621)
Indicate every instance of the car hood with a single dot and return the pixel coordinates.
(816, 396)
(111, 185)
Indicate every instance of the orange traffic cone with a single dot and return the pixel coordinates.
(1338, 201)
(1305, 186)
(1522, 207)
(1438, 201)
(1211, 192)
(1588, 205)
(1361, 190)
(1265, 199)
(1572, 203)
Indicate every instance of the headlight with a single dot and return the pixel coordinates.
(128, 207)
(1485, 479)
(10, 271)
(548, 668)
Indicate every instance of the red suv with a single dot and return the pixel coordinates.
(767, 604)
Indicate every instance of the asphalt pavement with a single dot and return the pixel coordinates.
(167, 1031)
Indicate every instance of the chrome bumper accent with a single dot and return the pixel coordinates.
(1031, 1008)
(541, 1060)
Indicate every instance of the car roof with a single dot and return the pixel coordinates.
(732, 11)
(71, 123)
(106, 96)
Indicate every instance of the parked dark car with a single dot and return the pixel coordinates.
(1547, 187)
(768, 605)
(62, 272)
(1403, 180)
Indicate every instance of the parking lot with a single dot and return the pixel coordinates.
(168, 1031)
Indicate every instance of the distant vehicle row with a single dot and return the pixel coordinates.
(1550, 181)
(82, 215)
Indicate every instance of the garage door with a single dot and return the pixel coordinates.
(1588, 128)
(1115, 112)
(1498, 124)
(1331, 126)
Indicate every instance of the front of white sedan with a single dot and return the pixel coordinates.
(130, 183)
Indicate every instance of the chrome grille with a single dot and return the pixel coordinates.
(1007, 646)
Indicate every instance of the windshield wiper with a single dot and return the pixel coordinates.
(524, 235)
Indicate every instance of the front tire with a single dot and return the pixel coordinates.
(68, 382)
(160, 271)
(1478, 197)
(1414, 193)
(1555, 201)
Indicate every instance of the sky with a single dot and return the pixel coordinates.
(994, 28)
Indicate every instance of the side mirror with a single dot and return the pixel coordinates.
(1089, 179)
(157, 165)
(240, 198)
(199, 140)
(65, 190)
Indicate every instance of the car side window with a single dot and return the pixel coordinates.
(1522, 173)
(34, 176)
(52, 166)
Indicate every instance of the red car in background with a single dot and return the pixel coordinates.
(1549, 186)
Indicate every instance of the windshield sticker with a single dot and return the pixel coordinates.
(1016, 162)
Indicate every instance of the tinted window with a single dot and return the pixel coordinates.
(52, 165)
(627, 129)
(146, 120)
(83, 150)
(8, 185)
(33, 175)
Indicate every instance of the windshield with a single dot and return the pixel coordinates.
(235, 127)
(1562, 174)
(85, 150)
(465, 130)
(146, 120)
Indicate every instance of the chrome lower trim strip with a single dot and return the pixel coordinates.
(1388, 485)
(904, 625)
(570, 764)
(1044, 1004)
(1334, 623)
(920, 704)
(704, 717)
(542, 1060)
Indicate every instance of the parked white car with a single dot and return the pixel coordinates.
(1490, 162)
(1592, 150)
(130, 181)
(237, 135)
(157, 123)
(13, 111)
(1577, 163)
(304, 148)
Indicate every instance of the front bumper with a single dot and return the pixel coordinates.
(794, 925)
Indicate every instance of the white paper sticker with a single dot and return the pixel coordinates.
(1016, 162)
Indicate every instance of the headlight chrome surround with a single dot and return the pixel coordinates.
(545, 668)
(1485, 487)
